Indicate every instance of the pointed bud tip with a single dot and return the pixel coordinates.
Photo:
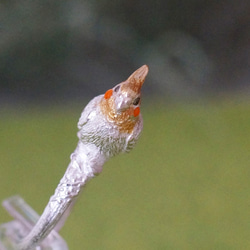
(137, 78)
(142, 71)
(140, 74)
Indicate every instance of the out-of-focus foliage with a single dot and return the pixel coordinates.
(186, 185)
(71, 49)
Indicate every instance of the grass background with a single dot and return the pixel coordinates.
(184, 186)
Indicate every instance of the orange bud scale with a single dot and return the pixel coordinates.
(108, 94)
(136, 111)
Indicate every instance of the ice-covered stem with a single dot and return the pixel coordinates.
(79, 171)
(110, 124)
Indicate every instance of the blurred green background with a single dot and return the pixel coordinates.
(186, 184)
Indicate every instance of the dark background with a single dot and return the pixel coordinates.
(186, 183)
(55, 51)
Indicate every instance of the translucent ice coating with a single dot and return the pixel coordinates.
(110, 124)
